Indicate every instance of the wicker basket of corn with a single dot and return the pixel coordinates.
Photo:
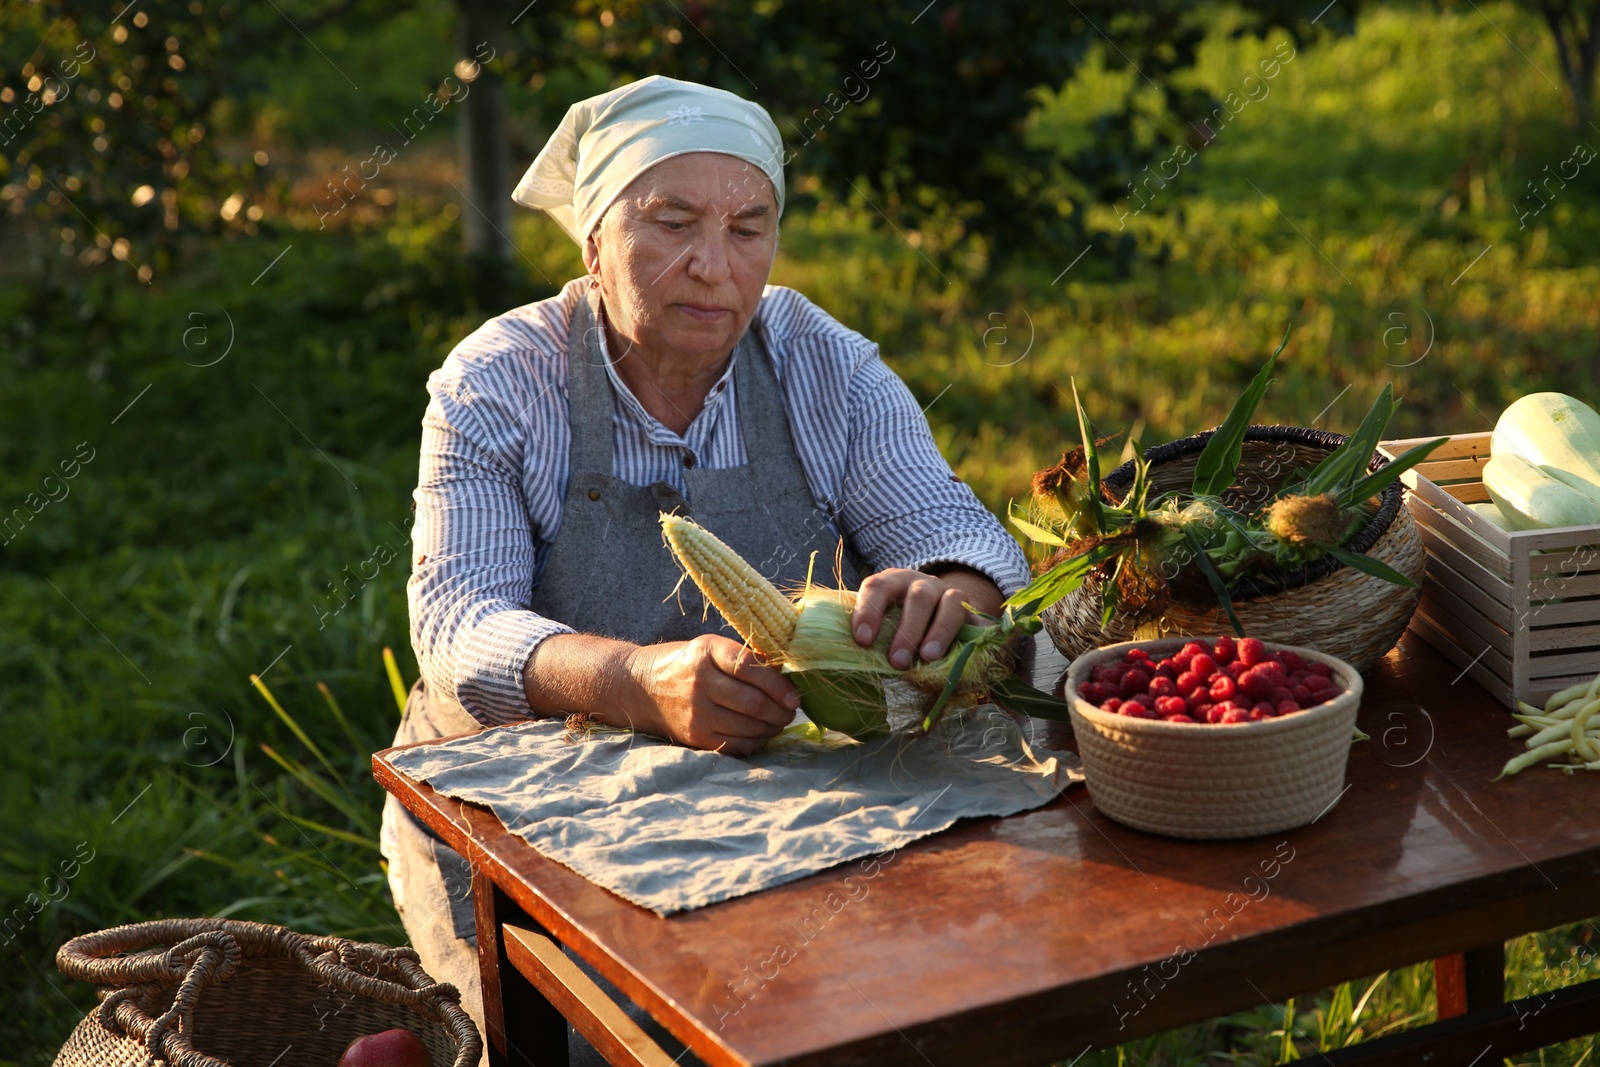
(1323, 604)
(1293, 535)
(229, 993)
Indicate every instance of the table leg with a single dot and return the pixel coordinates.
(1470, 981)
(525, 1030)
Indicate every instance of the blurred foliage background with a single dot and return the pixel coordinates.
(238, 237)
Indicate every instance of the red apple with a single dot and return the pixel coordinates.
(391, 1048)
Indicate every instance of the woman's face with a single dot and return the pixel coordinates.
(683, 255)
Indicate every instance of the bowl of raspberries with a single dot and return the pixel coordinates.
(1213, 737)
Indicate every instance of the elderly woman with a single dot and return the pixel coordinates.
(671, 378)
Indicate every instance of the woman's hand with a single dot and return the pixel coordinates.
(710, 692)
(931, 607)
(713, 693)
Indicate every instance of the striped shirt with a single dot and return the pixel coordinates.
(493, 478)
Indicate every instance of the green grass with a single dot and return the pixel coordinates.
(199, 544)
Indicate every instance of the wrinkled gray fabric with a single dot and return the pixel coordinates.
(674, 828)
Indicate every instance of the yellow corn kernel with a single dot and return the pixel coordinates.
(753, 606)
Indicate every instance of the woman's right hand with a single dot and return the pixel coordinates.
(711, 692)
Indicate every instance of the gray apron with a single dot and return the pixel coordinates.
(609, 572)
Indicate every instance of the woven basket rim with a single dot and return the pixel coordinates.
(1390, 500)
(1334, 705)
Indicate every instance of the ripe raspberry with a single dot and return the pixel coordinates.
(1198, 698)
(1162, 686)
(1265, 708)
(1171, 706)
(1255, 684)
(1224, 649)
(1316, 683)
(1198, 712)
(1169, 666)
(1320, 668)
(1142, 699)
(1280, 693)
(1187, 682)
(1257, 715)
(1203, 665)
(1251, 651)
(1108, 674)
(1093, 692)
(1222, 687)
(1292, 661)
(1178, 718)
(1286, 707)
(1136, 653)
(1135, 682)
(1135, 710)
(1302, 696)
(1215, 712)
(1111, 704)
(1191, 650)
(1234, 669)
(1234, 715)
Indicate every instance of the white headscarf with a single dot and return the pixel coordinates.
(607, 141)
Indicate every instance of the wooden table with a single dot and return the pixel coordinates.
(1035, 937)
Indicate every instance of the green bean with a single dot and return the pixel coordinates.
(1571, 692)
(1580, 739)
(1528, 759)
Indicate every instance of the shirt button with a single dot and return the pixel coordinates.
(594, 494)
(688, 459)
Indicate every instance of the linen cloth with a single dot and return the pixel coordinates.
(494, 468)
(603, 143)
(673, 828)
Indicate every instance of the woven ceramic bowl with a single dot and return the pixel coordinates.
(1199, 780)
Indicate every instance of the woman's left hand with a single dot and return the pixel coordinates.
(932, 610)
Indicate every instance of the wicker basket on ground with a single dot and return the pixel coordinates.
(1326, 605)
(227, 993)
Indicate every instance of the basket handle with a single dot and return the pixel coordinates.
(196, 953)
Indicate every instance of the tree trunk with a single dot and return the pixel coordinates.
(1577, 38)
(485, 155)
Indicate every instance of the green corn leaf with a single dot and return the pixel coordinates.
(1135, 500)
(1218, 586)
(1219, 462)
(1363, 562)
(1012, 692)
(1091, 457)
(1380, 479)
(1109, 594)
(1037, 533)
(1346, 464)
(1058, 581)
(956, 667)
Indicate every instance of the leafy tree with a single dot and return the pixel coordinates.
(106, 116)
(1574, 26)
(921, 114)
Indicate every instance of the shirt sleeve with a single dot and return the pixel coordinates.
(902, 504)
(473, 569)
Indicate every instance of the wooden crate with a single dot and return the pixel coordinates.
(1519, 611)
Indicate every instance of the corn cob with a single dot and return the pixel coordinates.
(753, 606)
